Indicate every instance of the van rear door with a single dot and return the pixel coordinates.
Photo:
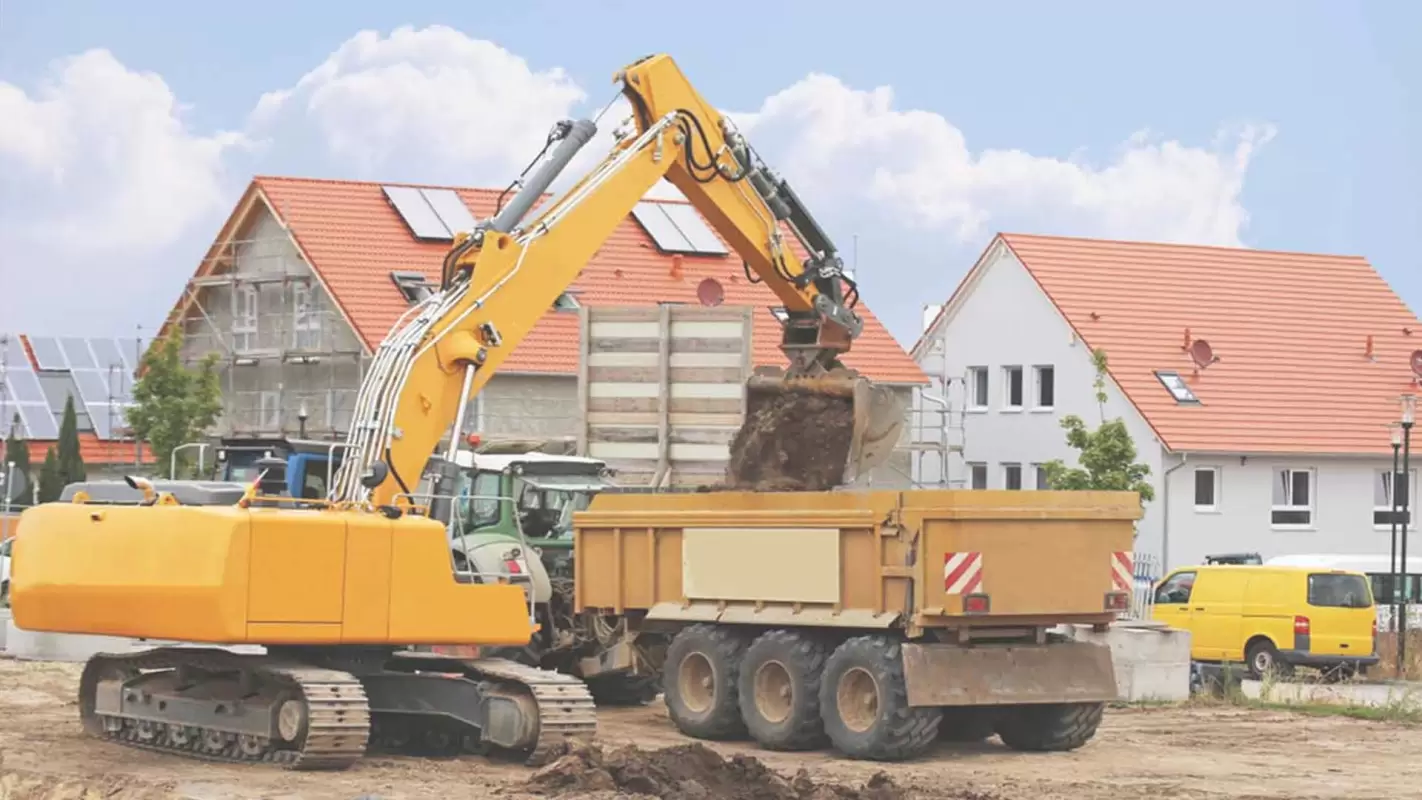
(1340, 614)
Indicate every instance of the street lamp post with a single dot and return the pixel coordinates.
(1392, 513)
(1409, 411)
(301, 415)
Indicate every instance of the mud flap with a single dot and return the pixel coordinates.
(953, 675)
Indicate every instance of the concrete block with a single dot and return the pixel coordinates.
(1151, 661)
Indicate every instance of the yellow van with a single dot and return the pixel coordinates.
(1273, 618)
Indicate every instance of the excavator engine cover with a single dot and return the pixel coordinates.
(812, 433)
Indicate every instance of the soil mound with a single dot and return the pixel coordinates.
(792, 441)
(691, 772)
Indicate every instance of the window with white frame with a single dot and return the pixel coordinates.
(977, 387)
(1011, 388)
(1044, 391)
(978, 476)
(1383, 483)
(269, 412)
(306, 322)
(1293, 498)
(1207, 488)
(244, 318)
(1012, 476)
(1040, 470)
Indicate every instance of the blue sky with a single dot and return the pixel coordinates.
(1279, 125)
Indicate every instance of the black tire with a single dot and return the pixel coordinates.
(780, 691)
(869, 670)
(622, 690)
(1263, 658)
(706, 660)
(1049, 728)
(967, 724)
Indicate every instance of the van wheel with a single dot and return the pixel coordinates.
(699, 682)
(1264, 660)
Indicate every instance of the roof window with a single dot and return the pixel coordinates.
(1176, 384)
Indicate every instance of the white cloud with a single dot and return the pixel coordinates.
(108, 188)
(431, 104)
(837, 141)
(100, 172)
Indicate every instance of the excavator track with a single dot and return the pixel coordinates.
(564, 705)
(334, 713)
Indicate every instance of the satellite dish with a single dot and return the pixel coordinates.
(1417, 363)
(1202, 353)
(710, 292)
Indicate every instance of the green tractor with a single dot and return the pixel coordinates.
(511, 518)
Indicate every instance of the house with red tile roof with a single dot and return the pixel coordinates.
(1259, 387)
(307, 276)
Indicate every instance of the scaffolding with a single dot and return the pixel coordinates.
(939, 431)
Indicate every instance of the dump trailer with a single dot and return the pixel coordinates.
(875, 622)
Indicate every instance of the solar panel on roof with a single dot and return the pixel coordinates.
(15, 352)
(40, 422)
(99, 417)
(23, 386)
(92, 387)
(697, 233)
(58, 387)
(47, 353)
(660, 227)
(106, 353)
(419, 217)
(450, 209)
(77, 351)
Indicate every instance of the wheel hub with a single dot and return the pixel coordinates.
(774, 692)
(697, 681)
(857, 695)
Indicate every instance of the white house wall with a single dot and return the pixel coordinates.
(1342, 508)
(1006, 320)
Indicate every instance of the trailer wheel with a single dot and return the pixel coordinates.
(1047, 728)
(864, 703)
(699, 682)
(967, 723)
(780, 690)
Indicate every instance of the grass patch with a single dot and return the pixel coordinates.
(1403, 705)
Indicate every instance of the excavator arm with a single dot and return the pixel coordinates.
(500, 279)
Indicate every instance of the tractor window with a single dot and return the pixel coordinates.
(484, 501)
(314, 487)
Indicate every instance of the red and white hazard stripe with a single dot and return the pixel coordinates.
(1123, 573)
(963, 573)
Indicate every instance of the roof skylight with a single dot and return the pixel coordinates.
(1177, 386)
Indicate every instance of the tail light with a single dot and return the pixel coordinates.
(1117, 601)
(976, 604)
(513, 567)
(1301, 626)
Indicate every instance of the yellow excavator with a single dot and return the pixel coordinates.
(336, 594)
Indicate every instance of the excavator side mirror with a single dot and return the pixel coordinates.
(375, 476)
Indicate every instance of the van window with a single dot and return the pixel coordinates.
(1338, 591)
(1176, 588)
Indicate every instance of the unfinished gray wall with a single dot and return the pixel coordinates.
(281, 341)
(529, 405)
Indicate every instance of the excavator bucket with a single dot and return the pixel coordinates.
(812, 433)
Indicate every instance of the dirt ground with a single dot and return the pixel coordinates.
(1139, 753)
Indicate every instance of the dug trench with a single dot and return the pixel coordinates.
(794, 440)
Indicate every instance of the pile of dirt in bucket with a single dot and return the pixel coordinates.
(691, 772)
(797, 440)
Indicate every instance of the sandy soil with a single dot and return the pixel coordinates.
(1139, 753)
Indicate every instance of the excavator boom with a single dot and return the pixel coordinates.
(805, 424)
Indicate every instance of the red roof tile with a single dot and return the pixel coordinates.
(354, 239)
(1291, 331)
(92, 449)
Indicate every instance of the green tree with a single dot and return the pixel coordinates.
(71, 462)
(1107, 455)
(174, 403)
(17, 450)
(51, 483)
